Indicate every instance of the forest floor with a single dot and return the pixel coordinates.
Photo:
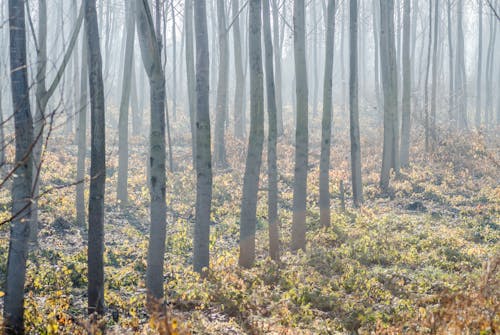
(424, 259)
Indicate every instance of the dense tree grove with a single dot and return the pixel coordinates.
(249, 167)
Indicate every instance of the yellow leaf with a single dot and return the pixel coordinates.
(2, 294)
(174, 324)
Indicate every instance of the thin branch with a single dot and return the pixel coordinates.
(237, 15)
(493, 10)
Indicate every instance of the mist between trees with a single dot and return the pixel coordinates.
(256, 133)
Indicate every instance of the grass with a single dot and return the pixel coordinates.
(423, 260)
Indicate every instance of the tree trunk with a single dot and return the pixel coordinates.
(272, 170)
(239, 109)
(21, 188)
(222, 86)
(277, 63)
(315, 58)
(122, 182)
(326, 123)
(248, 219)
(97, 164)
(2, 135)
(489, 71)
(357, 186)
(190, 73)
(82, 140)
(389, 84)
(42, 98)
(479, 65)
(201, 256)
(150, 51)
(451, 94)
(406, 62)
(301, 130)
(434, 75)
(134, 100)
(460, 87)
(342, 57)
(174, 62)
(76, 74)
(376, 24)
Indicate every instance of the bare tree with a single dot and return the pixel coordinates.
(301, 129)
(406, 67)
(326, 123)
(490, 69)
(2, 134)
(248, 218)
(43, 94)
(222, 86)
(272, 169)
(82, 139)
(239, 109)
(21, 188)
(97, 163)
(460, 79)
(150, 50)
(390, 157)
(357, 185)
(122, 181)
(190, 72)
(479, 64)
(278, 43)
(434, 75)
(201, 254)
(451, 93)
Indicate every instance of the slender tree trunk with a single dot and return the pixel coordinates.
(41, 105)
(215, 48)
(326, 123)
(122, 182)
(407, 81)
(272, 170)
(239, 109)
(451, 96)
(42, 98)
(76, 74)
(342, 57)
(21, 188)
(2, 135)
(82, 139)
(389, 84)
(134, 100)
(434, 75)
(376, 23)
(248, 219)
(174, 62)
(277, 63)
(479, 65)
(460, 78)
(426, 85)
(315, 59)
(150, 50)
(489, 71)
(190, 72)
(301, 130)
(357, 186)
(222, 87)
(97, 164)
(201, 255)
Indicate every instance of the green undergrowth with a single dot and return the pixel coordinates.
(422, 259)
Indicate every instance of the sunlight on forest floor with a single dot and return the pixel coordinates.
(425, 258)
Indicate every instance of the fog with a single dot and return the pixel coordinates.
(232, 137)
